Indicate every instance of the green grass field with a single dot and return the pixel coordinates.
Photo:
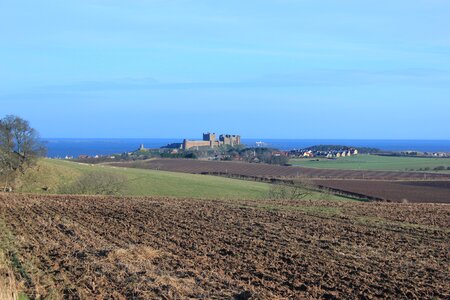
(56, 173)
(374, 162)
(53, 174)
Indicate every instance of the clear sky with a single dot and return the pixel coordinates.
(265, 69)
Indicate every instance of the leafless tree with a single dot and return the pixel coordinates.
(19, 147)
(97, 183)
(300, 189)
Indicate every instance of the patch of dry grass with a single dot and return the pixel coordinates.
(8, 284)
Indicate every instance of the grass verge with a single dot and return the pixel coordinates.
(9, 286)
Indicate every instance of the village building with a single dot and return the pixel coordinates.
(280, 153)
(308, 154)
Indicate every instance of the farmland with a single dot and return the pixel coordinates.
(399, 191)
(54, 174)
(145, 248)
(374, 162)
(272, 171)
(381, 185)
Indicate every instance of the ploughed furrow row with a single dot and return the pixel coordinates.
(416, 187)
(398, 191)
(274, 171)
(60, 243)
(141, 248)
(420, 216)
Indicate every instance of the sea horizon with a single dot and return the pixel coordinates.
(62, 147)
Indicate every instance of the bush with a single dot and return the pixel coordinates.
(191, 155)
(279, 160)
(97, 183)
(296, 191)
(439, 168)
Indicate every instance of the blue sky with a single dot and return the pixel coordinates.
(264, 69)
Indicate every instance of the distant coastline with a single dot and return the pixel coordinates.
(61, 147)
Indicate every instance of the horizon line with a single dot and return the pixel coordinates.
(252, 138)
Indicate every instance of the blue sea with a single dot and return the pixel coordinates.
(60, 147)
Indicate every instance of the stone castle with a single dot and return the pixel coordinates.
(210, 141)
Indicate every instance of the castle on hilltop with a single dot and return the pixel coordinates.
(210, 141)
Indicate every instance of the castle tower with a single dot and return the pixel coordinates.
(210, 137)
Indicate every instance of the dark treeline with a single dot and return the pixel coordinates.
(223, 153)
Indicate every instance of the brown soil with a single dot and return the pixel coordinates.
(377, 185)
(273, 171)
(397, 191)
(147, 248)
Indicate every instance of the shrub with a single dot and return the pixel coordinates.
(97, 183)
(439, 168)
(296, 191)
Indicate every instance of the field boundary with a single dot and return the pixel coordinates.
(274, 171)
(318, 188)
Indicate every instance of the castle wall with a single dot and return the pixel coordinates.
(230, 140)
(192, 144)
(209, 140)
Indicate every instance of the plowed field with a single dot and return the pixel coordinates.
(397, 191)
(154, 248)
(274, 171)
(384, 185)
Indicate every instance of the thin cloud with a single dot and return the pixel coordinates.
(323, 77)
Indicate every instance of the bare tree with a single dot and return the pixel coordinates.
(19, 147)
(300, 189)
(97, 183)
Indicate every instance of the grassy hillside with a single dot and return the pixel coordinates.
(374, 162)
(53, 174)
(50, 175)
